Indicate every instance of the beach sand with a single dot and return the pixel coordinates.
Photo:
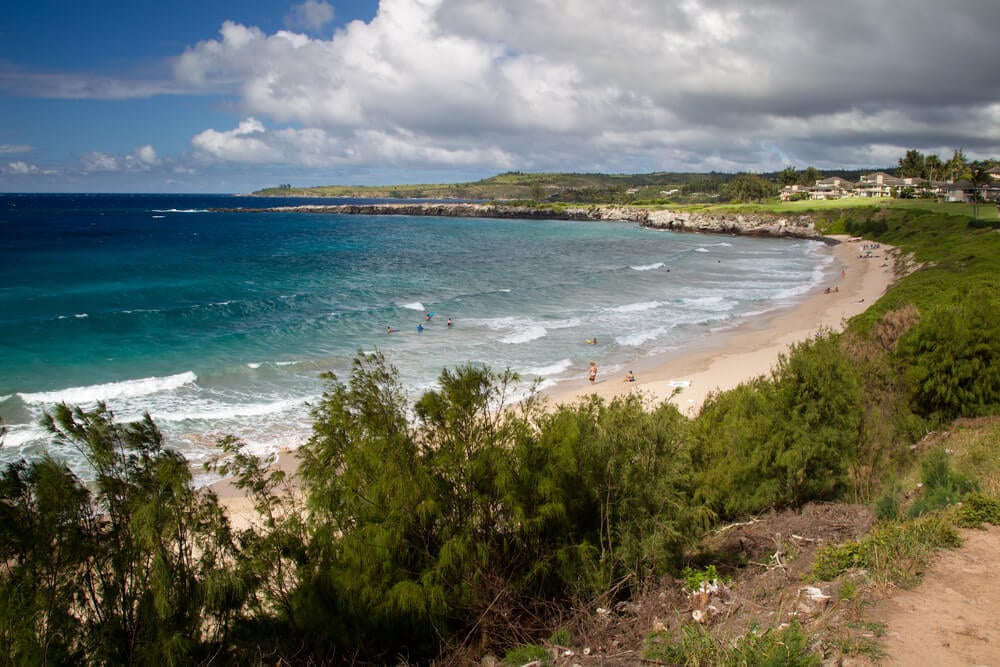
(720, 361)
(724, 360)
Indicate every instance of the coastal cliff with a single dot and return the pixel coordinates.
(746, 224)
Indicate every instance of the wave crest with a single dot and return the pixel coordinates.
(111, 390)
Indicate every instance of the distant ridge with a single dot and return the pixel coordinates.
(566, 187)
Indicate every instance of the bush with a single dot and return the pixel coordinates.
(788, 646)
(941, 485)
(976, 510)
(782, 442)
(952, 358)
(893, 552)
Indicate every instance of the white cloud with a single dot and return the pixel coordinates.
(95, 161)
(20, 168)
(11, 149)
(487, 85)
(574, 84)
(311, 15)
(142, 158)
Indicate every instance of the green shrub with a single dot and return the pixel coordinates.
(941, 485)
(693, 579)
(521, 655)
(952, 358)
(788, 647)
(976, 510)
(893, 552)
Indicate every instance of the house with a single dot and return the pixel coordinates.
(879, 184)
(834, 187)
(959, 191)
(794, 192)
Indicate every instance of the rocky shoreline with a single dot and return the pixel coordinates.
(744, 224)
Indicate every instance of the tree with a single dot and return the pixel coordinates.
(912, 165)
(955, 167)
(536, 191)
(809, 176)
(749, 188)
(979, 175)
(933, 168)
(788, 176)
(142, 594)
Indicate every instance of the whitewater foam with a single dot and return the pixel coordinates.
(111, 390)
(648, 267)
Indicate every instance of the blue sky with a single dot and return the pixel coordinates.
(231, 96)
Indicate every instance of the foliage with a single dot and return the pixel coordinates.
(788, 647)
(782, 442)
(749, 188)
(695, 579)
(952, 358)
(530, 653)
(893, 552)
(271, 552)
(117, 575)
(976, 510)
(941, 485)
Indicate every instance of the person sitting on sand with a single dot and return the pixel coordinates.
(630, 377)
(593, 372)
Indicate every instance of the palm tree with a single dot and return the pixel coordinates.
(980, 177)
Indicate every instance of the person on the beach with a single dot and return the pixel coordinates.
(630, 377)
(593, 372)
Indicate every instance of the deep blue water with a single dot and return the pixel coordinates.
(221, 322)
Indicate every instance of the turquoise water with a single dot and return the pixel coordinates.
(220, 323)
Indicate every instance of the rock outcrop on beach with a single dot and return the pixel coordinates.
(746, 224)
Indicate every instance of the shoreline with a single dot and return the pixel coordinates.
(717, 362)
(724, 360)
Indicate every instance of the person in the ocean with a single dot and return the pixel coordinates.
(592, 341)
(428, 317)
(388, 329)
(420, 328)
(593, 372)
(449, 321)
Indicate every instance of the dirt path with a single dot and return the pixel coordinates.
(953, 616)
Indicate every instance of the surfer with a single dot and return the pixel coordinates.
(592, 341)
(388, 329)
(428, 316)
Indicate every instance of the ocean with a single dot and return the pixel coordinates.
(221, 322)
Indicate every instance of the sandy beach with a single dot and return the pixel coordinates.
(724, 360)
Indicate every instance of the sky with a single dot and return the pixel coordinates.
(232, 96)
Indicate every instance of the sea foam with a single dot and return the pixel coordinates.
(648, 267)
(110, 390)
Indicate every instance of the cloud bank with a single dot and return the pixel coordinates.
(592, 85)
